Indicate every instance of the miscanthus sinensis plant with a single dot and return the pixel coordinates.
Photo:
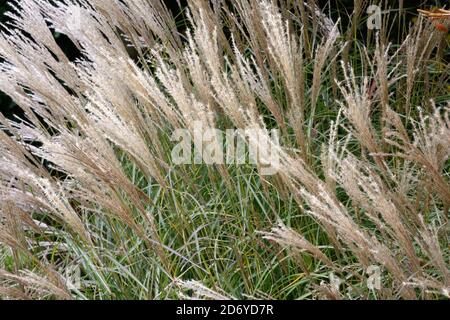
(93, 207)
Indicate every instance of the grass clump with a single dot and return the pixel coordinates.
(92, 205)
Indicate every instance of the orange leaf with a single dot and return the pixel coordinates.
(441, 27)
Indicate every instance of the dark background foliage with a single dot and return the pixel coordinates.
(337, 7)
